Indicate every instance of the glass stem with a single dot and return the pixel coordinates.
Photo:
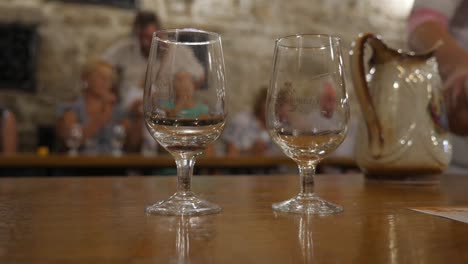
(307, 172)
(184, 173)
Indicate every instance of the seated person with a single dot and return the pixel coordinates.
(132, 104)
(130, 57)
(185, 104)
(95, 110)
(323, 120)
(327, 107)
(246, 132)
(8, 133)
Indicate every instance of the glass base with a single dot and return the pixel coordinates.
(183, 204)
(311, 204)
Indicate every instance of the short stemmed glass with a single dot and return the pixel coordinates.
(184, 107)
(74, 139)
(117, 140)
(307, 111)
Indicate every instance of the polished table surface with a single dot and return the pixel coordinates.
(57, 160)
(102, 220)
(25, 164)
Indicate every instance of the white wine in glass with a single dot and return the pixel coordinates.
(307, 111)
(184, 107)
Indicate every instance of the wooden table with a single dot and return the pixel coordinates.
(132, 161)
(102, 220)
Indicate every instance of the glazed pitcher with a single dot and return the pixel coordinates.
(403, 126)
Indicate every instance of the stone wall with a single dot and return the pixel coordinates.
(71, 33)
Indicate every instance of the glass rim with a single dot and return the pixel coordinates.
(214, 37)
(333, 38)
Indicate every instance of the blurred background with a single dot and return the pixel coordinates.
(55, 38)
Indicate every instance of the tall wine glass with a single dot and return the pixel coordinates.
(184, 107)
(307, 111)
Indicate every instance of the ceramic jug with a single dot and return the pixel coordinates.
(403, 126)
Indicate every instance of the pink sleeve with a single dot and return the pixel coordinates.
(421, 15)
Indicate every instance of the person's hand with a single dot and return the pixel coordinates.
(434, 36)
(450, 62)
(65, 123)
(456, 100)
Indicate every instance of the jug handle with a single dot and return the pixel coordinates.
(373, 124)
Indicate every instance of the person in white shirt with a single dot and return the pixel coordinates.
(130, 58)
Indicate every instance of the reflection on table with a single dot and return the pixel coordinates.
(96, 220)
(56, 164)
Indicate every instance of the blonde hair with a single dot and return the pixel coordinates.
(96, 64)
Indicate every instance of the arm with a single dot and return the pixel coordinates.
(428, 29)
(450, 55)
(134, 138)
(64, 124)
(10, 141)
(259, 147)
(99, 114)
(210, 150)
(232, 150)
(232, 135)
(456, 101)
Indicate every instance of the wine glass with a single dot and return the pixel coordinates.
(117, 139)
(307, 111)
(184, 107)
(74, 139)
